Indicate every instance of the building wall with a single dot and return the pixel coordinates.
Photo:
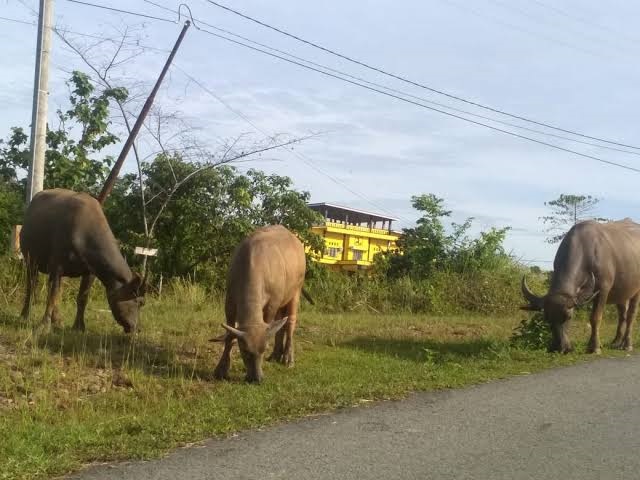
(349, 247)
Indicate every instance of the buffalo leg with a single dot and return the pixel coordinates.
(82, 300)
(596, 317)
(32, 284)
(278, 344)
(278, 347)
(52, 300)
(627, 341)
(221, 371)
(56, 318)
(288, 357)
(622, 323)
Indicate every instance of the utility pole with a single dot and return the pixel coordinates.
(115, 170)
(38, 139)
(87, 280)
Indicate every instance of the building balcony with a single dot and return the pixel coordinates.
(358, 229)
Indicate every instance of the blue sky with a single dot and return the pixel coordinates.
(568, 63)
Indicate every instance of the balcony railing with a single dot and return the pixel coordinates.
(356, 228)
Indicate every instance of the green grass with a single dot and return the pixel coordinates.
(68, 399)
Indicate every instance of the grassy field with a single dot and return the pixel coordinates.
(68, 399)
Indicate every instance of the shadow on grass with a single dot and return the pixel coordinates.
(420, 351)
(114, 350)
(14, 321)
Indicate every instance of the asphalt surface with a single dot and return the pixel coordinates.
(580, 422)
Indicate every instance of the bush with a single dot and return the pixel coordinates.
(489, 293)
(532, 333)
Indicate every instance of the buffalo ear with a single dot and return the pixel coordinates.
(276, 325)
(133, 289)
(587, 291)
(138, 285)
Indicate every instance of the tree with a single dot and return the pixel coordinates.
(81, 134)
(566, 211)
(205, 219)
(72, 159)
(428, 247)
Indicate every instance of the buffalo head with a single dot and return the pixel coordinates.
(558, 309)
(252, 341)
(125, 302)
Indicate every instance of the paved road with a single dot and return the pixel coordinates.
(580, 422)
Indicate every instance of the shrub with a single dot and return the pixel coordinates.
(533, 332)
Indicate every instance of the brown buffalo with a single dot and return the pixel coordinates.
(599, 262)
(264, 284)
(65, 233)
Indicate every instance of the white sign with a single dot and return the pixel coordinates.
(147, 252)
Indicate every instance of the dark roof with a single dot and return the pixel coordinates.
(340, 213)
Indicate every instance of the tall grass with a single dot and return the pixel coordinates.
(445, 293)
(69, 397)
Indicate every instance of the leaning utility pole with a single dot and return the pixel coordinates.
(115, 170)
(35, 180)
(87, 280)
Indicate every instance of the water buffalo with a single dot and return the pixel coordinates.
(264, 284)
(599, 262)
(65, 233)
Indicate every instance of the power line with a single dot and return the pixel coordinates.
(526, 14)
(400, 92)
(411, 82)
(60, 30)
(576, 18)
(15, 20)
(301, 156)
(246, 119)
(627, 167)
(104, 7)
(507, 132)
(199, 21)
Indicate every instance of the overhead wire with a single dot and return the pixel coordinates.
(118, 10)
(584, 21)
(301, 156)
(526, 14)
(551, 145)
(409, 81)
(507, 132)
(399, 92)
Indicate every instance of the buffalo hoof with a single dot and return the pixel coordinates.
(276, 357)
(42, 329)
(617, 344)
(79, 327)
(594, 350)
(627, 346)
(287, 360)
(221, 374)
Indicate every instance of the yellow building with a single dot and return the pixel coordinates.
(352, 237)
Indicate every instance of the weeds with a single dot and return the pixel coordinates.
(72, 398)
(532, 332)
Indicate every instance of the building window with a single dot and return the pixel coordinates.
(357, 255)
(333, 252)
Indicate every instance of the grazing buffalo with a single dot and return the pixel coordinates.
(264, 283)
(65, 233)
(599, 262)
